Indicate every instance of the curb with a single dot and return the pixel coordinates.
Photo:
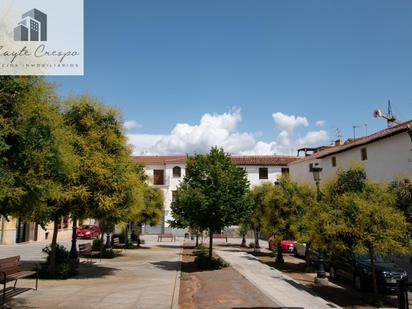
(176, 289)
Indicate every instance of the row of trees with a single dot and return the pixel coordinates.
(66, 158)
(350, 212)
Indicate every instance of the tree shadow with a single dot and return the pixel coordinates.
(10, 293)
(341, 293)
(268, 308)
(167, 265)
(169, 246)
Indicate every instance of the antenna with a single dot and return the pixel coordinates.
(354, 130)
(390, 118)
(338, 133)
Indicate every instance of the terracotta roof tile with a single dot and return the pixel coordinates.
(239, 160)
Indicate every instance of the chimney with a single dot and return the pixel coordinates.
(339, 142)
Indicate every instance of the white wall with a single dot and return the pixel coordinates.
(388, 158)
(252, 171)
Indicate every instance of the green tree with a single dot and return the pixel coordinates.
(38, 165)
(402, 189)
(258, 210)
(284, 204)
(361, 218)
(114, 187)
(213, 194)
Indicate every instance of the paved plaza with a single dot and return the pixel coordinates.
(147, 278)
(140, 278)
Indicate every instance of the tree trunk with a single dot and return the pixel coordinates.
(197, 239)
(373, 271)
(102, 228)
(210, 243)
(307, 248)
(126, 234)
(52, 266)
(243, 244)
(257, 232)
(279, 255)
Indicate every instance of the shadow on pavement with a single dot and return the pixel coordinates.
(166, 265)
(10, 293)
(268, 308)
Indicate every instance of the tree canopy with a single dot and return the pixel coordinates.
(212, 195)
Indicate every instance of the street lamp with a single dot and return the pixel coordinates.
(73, 251)
(321, 274)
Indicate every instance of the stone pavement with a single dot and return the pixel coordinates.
(279, 287)
(140, 278)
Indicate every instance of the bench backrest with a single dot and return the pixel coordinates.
(167, 235)
(85, 248)
(116, 241)
(10, 265)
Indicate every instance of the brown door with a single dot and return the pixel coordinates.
(158, 177)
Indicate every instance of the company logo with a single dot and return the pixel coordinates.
(41, 37)
(32, 27)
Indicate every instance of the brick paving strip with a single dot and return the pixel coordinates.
(224, 288)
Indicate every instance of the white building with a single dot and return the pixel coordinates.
(166, 172)
(385, 155)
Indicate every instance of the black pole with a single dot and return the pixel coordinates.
(74, 255)
(321, 274)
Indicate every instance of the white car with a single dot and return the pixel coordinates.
(300, 249)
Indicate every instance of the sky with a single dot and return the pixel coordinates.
(254, 77)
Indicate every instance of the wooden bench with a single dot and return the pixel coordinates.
(116, 243)
(86, 251)
(167, 235)
(10, 270)
(221, 235)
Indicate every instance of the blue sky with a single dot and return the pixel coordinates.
(165, 62)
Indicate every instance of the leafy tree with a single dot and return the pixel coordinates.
(361, 219)
(402, 189)
(213, 194)
(114, 187)
(38, 165)
(284, 205)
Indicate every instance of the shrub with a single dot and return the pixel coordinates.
(203, 262)
(65, 267)
(109, 254)
(120, 236)
(96, 245)
(251, 245)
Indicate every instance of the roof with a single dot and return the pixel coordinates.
(238, 160)
(385, 133)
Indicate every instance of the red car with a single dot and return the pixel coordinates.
(87, 231)
(286, 245)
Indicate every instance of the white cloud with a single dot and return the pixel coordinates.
(320, 123)
(131, 124)
(288, 122)
(221, 130)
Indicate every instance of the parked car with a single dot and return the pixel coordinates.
(299, 249)
(286, 245)
(88, 231)
(357, 268)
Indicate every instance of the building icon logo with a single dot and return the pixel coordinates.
(33, 27)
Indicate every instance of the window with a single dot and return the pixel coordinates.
(333, 161)
(263, 173)
(158, 177)
(285, 170)
(177, 172)
(364, 154)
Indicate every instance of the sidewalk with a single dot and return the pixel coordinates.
(274, 284)
(140, 278)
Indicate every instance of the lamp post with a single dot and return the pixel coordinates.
(320, 274)
(73, 250)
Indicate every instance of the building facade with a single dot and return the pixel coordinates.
(385, 155)
(166, 173)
